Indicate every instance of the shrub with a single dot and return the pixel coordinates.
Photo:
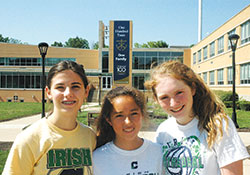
(226, 95)
(228, 104)
(244, 105)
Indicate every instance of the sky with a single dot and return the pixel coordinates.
(173, 21)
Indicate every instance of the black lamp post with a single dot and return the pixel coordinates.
(233, 41)
(100, 86)
(43, 47)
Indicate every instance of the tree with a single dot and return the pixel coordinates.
(137, 45)
(152, 44)
(57, 44)
(9, 40)
(2, 39)
(77, 43)
(161, 44)
(96, 45)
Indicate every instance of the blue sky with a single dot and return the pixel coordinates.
(173, 21)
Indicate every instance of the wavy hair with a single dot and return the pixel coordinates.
(206, 105)
(105, 132)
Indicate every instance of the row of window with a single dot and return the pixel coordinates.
(144, 60)
(13, 61)
(27, 80)
(33, 80)
(244, 75)
(138, 80)
(245, 37)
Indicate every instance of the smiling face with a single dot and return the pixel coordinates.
(126, 120)
(176, 98)
(67, 93)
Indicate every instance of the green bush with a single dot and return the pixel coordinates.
(226, 95)
(228, 104)
(244, 105)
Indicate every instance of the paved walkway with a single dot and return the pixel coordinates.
(9, 130)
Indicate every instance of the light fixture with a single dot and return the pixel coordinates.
(43, 47)
(233, 41)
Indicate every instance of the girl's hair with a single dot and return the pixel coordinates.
(105, 132)
(67, 65)
(206, 105)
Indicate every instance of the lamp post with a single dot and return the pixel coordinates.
(43, 47)
(233, 41)
(100, 86)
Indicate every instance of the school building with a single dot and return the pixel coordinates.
(121, 64)
(211, 58)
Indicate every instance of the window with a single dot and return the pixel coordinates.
(212, 49)
(15, 97)
(245, 32)
(220, 76)
(228, 42)
(245, 73)
(199, 56)
(148, 62)
(211, 77)
(138, 81)
(205, 77)
(105, 62)
(205, 53)
(221, 45)
(27, 80)
(2, 61)
(106, 82)
(194, 58)
(13, 61)
(144, 60)
(229, 75)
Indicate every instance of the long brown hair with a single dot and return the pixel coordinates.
(66, 65)
(206, 105)
(105, 132)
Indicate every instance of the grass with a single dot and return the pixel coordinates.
(243, 117)
(9, 110)
(3, 157)
(82, 117)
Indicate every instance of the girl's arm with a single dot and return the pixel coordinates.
(235, 168)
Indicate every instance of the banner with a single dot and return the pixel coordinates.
(121, 52)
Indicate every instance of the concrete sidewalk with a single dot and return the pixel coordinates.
(9, 130)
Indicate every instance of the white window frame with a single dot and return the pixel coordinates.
(220, 76)
(212, 49)
(106, 82)
(229, 75)
(211, 78)
(220, 45)
(204, 77)
(205, 53)
(194, 58)
(245, 73)
(199, 55)
(245, 32)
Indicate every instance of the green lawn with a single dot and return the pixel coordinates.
(3, 157)
(243, 117)
(10, 110)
